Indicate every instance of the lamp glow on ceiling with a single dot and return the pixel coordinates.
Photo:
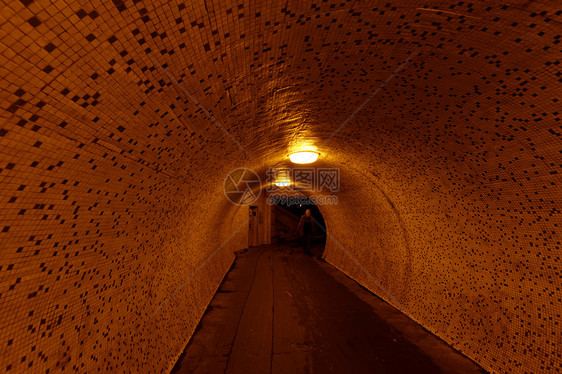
(303, 157)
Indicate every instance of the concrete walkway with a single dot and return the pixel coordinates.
(278, 311)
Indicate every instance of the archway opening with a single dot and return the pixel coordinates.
(288, 224)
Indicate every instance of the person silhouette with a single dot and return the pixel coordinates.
(306, 228)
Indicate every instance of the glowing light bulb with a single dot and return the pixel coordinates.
(303, 157)
(283, 183)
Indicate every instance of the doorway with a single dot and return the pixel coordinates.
(253, 233)
(286, 221)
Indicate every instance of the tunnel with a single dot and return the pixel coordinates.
(122, 122)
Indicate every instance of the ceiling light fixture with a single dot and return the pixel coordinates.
(283, 183)
(303, 157)
(282, 178)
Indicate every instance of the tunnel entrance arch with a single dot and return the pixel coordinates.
(285, 225)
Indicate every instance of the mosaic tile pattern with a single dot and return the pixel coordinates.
(117, 128)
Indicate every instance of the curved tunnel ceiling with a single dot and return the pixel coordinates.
(120, 121)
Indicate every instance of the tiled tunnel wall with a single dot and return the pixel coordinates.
(120, 120)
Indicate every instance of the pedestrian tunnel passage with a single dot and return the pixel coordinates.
(121, 121)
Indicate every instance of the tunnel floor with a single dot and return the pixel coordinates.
(279, 311)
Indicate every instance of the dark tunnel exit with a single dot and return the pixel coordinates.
(287, 219)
